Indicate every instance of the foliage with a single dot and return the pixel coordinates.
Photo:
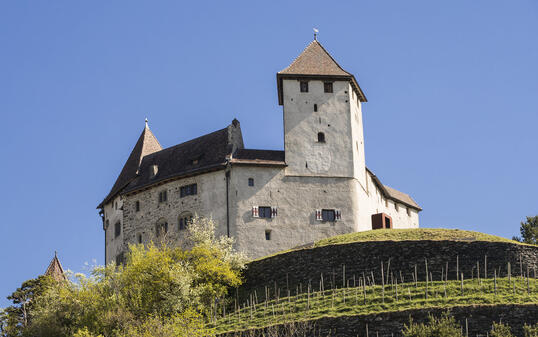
(15, 318)
(500, 330)
(445, 326)
(530, 330)
(529, 231)
(160, 291)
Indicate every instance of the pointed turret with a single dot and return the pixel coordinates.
(55, 269)
(316, 63)
(147, 143)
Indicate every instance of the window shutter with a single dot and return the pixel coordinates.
(255, 213)
(273, 212)
(318, 215)
(337, 214)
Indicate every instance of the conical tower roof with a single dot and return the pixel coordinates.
(55, 269)
(315, 62)
(147, 143)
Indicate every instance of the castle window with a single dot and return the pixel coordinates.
(396, 207)
(117, 229)
(267, 235)
(116, 205)
(321, 137)
(119, 259)
(191, 189)
(161, 227)
(328, 87)
(185, 219)
(408, 211)
(139, 238)
(264, 212)
(315, 108)
(250, 181)
(304, 86)
(137, 206)
(328, 215)
(163, 196)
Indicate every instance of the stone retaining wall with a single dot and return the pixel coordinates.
(479, 320)
(294, 270)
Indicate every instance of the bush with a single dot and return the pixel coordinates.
(531, 330)
(445, 326)
(500, 330)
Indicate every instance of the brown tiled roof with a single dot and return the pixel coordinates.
(316, 62)
(147, 143)
(55, 269)
(202, 154)
(391, 193)
(258, 157)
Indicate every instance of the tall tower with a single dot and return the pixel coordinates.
(323, 132)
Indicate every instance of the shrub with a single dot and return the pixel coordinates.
(445, 326)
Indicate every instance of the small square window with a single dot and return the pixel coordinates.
(328, 215)
(267, 235)
(304, 86)
(264, 212)
(328, 87)
(250, 181)
(191, 189)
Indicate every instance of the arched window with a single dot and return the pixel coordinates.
(161, 228)
(185, 219)
(321, 137)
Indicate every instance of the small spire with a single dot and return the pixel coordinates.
(55, 254)
(316, 31)
(146, 122)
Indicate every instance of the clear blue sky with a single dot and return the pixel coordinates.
(451, 119)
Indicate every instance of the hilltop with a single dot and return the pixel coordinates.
(386, 276)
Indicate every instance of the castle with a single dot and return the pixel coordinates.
(319, 186)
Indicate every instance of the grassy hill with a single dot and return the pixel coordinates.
(374, 299)
(363, 296)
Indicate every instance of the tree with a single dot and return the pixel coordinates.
(445, 326)
(160, 291)
(16, 317)
(529, 231)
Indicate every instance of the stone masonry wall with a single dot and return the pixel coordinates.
(479, 320)
(298, 268)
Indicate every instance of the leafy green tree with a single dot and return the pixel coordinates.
(500, 330)
(445, 326)
(16, 317)
(529, 231)
(160, 291)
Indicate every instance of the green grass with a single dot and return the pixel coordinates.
(433, 234)
(353, 301)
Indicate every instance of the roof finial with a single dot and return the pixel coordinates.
(55, 254)
(316, 31)
(146, 122)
